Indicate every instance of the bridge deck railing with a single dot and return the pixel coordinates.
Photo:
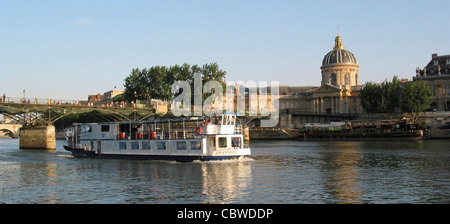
(57, 101)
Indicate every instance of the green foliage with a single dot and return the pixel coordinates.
(413, 99)
(156, 82)
(381, 98)
(370, 97)
(390, 97)
(416, 97)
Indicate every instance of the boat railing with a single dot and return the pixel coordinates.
(225, 124)
(238, 129)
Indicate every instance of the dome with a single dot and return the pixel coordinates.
(339, 66)
(339, 55)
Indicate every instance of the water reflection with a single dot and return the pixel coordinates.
(341, 173)
(37, 175)
(225, 181)
(347, 184)
(118, 181)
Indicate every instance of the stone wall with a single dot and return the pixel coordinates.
(37, 137)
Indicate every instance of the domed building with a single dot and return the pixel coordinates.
(337, 97)
(339, 66)
(339, 89)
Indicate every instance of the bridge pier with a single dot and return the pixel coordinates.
(37, 137)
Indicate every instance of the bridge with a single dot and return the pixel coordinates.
(37, 117)
(40, 112)
(34, 119)
(11, 130)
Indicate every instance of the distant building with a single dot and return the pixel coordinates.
(436, 74)
(94, 98)
(339, 90)
(338, 93)
(107, 97)
(111, 94)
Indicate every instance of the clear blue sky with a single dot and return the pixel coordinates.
(71, 48)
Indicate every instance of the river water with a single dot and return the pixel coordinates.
(318, 172)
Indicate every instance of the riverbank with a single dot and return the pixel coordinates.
(350, 134)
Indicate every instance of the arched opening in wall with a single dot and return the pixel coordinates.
(347, 79)
(333, 78)
(6, 133)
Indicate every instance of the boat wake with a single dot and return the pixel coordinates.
(235, 160)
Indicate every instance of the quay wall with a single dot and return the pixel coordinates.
(432, 119)
(439, 134)
(290, 125)
(273, 134)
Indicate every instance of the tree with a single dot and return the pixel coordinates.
(156, 82)
(136, 85)
(390, 98)
(382, 98)
(416, 97)
(370, 97)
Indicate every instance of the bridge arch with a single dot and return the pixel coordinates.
(11, 130)
(6, 133)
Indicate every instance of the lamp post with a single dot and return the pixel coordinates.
(24, 96)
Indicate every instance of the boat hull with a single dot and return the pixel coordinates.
(81, 153)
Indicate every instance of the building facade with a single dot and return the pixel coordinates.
(436, 74)
(339, 89)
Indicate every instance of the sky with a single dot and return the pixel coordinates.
(69, 49)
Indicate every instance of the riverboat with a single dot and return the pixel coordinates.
(182, 139)
(353, 130)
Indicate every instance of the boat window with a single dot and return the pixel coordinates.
(222, 142)
(105, 128)
(196, 145)
(122, 145)
(145, 145)
(134, 145)
(236, 142)
(124, 128)
(86, 129)
(160, 145)
(212, 142)
(181, 145)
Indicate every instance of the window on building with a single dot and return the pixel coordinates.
(333, 79)
(447, 89)
(300, 104)
(347, 79)
(434, 88)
